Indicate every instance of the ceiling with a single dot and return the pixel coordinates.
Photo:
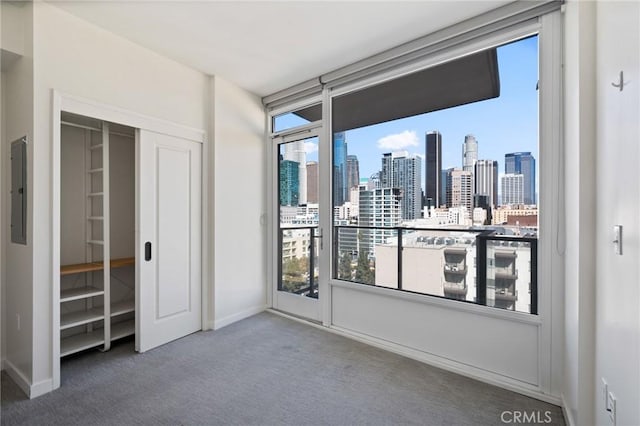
(267, 46)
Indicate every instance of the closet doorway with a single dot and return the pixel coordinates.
(128, 205)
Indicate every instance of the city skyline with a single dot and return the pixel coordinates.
(508, 123)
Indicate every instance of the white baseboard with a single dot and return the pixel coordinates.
(18, 377)
(31, 390)
(568, 414)
(439, 362)
(222, 322)
(40, 388)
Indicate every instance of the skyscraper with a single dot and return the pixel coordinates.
(289, 183)
(294, 151)
(404, 171)
(470, 157)
(312, 182)
(433, 167)
(469, 153)
(512, 188)
(523, 163)
(353, 174)
(443, 188)
(460, 189)
(340, 190)
(378, 208)
(386, 172)
(486, 180)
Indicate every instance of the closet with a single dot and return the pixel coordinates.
(97, 233)
(127, 229)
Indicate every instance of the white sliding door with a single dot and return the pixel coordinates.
(168, 243)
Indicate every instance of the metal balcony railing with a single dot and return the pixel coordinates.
(302, 281)
(455, 243)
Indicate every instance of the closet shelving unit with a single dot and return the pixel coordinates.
(98, 309)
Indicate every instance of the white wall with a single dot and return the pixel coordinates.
(602, 189)
(618, 203)
(80, 59)
(475, 343)
(579, 202)
(240, 200)
(18, 117)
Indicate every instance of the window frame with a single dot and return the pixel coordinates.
(548, 27)
(547, 24)
(529, 28)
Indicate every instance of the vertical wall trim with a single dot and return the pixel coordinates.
(550, 268)
(208, 211)
(55, 238)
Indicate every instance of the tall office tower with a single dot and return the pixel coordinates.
(525, 164)
(460, 189)
(486, 180)
(340, 190)
(312, 182)
(443, 188)
(378, 208)
(433, 168)
(470, 157)
(404, 171)
(294, 151)
(353, 174)
(386, 172)
(469, 153)
(289, 183)
(512, 188)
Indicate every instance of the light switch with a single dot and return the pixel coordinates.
(617, 239)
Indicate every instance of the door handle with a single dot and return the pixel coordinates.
(147, 251)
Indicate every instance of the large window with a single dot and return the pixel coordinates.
(435, 182)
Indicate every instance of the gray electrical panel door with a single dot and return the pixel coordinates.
(19, 191)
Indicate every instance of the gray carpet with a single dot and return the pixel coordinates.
(265, 370)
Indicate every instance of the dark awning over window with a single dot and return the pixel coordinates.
(468, 79)
(465, 80)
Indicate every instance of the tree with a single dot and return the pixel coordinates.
(364, 274)
(344, 268)
(295, 274)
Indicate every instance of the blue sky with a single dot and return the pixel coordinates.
(508, 123)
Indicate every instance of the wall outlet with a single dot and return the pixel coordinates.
(611, 402)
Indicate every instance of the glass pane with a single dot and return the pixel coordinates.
(509, 274)
(436, 263)
(426, 163)
(298, 190)
(300, 117)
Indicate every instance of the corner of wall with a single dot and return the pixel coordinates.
(17, 121)
(238, 142)
(579, 133)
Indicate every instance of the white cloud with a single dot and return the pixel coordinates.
(310, 147)
(398, 141)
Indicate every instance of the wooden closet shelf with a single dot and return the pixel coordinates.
(95, 266)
